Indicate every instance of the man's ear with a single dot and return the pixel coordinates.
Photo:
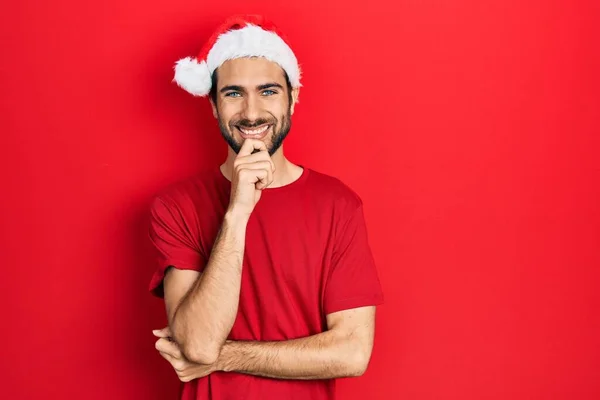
(295, 94)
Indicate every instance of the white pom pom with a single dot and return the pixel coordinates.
(192, 76)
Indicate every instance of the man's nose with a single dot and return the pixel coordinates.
(251, 106)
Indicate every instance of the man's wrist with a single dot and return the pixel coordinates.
(233, 217)
(226, 359)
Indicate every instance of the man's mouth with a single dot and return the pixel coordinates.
(258, 132)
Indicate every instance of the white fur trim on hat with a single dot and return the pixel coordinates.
(251, 41)
(192, 76)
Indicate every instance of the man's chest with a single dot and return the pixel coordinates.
(285, 267)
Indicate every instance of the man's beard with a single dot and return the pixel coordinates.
(277, 137)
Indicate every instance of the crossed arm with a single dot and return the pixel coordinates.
(201, 310)
(341, 351)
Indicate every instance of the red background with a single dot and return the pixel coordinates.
(469, 128)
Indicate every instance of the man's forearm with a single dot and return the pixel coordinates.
(322, 356)
(206, 314)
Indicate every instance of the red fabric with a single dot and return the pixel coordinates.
(238, 21)
(307, 255)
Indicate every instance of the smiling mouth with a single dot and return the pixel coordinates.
(254, 131)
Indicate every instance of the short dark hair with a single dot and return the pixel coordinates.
(215, 78)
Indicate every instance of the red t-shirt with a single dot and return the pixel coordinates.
(306, 255)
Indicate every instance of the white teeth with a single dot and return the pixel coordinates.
(254, 131)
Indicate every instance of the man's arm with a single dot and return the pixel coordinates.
(201, 314)
(201, 308)
(343, 350)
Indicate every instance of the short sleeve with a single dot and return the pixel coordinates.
(353, 279)
(173, 242)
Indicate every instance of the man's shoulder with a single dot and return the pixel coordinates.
(187, 189)
(334, 188)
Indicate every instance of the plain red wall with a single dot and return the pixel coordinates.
(469, 128)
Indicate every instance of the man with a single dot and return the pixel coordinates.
(265, 267)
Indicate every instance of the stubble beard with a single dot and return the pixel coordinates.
(276, 139)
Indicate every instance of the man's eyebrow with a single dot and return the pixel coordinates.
(269, 85)
(231, 87)
(238, 88)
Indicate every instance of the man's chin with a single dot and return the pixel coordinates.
(236, 141)
(239, 141)
(238, 146)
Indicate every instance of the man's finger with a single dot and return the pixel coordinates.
(165, 346)
(163, 333)
(254, 158)
(251, 144)
(167, 357)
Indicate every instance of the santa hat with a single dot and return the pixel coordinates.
(239, 36)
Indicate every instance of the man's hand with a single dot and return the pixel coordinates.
(185, 369)
(253, 171)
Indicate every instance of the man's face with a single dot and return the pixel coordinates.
(252, 101)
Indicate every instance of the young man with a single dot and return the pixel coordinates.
(265, 267)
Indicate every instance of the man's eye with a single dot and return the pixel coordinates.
(232, 94)
(269, 92)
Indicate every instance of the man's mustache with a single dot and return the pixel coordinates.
(246, 123)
